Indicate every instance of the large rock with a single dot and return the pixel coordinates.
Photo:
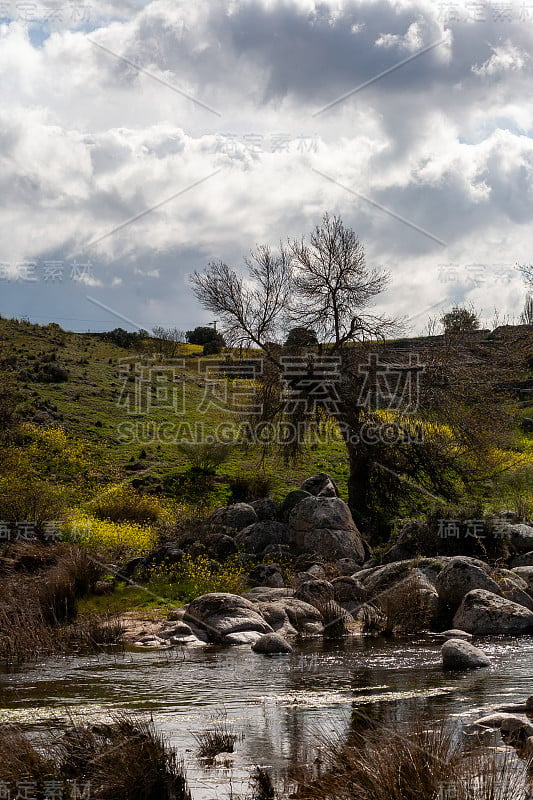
(483, 612)
(320, 485)
(521, 537)
(221, 614)
(266, 508)
(324, 525)
(382, 576)
(267, 594)
(233, 518)
(526, 573)
(458, 654)
(378, 579)
(458, 578)
(220, 546)
(255, 538)
(276, 615)
(241, 638)
(507, 723)
(347, 566)
(271, 643)
(267, 575)
(525, 560)
(514, 588)
(315, 592)
(288, 614)
(455, 633)
(347, 589)
(291, 501)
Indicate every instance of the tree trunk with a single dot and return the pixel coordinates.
(359, 487)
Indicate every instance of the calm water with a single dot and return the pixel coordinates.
(284, 706)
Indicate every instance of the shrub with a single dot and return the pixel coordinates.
(245, 488)
(406, 608)
(38, 601)
(27, 498)
(50, 373)
(123, 504)
(335, 619)
(196, 576)
(262, 785)
(123, 338)
(204, 334)
(205, 456)
(213, 347)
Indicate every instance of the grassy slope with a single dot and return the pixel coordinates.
(88, 406)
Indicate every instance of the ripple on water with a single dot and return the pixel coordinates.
(279, 703)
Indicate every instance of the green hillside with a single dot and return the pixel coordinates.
(80, 383)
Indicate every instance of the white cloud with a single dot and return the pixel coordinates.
(503, 59)
(89, 144)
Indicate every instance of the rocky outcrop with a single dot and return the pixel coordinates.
(233, 518)
(460, 576)
(221, 614)
(320, 485)
(324, 525)
(483, 612)
(458, 654)
(267, 575)
(257, 537)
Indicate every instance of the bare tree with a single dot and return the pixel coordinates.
(333, 286)
(169, 339)
(251, 310)
(325, 284)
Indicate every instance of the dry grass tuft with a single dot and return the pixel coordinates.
(415, 764)
(219, 738)
(39, 589)
(126, 758)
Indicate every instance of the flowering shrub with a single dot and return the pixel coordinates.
(121, 503)
(121, 537)
(196, 576)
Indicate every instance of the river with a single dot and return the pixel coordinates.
(284, 706)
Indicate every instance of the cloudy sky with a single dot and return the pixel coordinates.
(139, 141)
